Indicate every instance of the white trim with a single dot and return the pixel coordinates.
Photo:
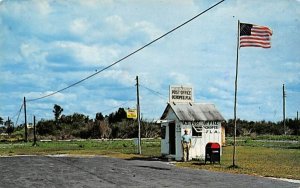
(198, 129)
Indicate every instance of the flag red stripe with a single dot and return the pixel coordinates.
(254, 42)
(257, 30)
(266, 38)
(261, 27)
(259, 34)
(255, 45)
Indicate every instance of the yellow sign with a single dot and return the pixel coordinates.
(131, 113)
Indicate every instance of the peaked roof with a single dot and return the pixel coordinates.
(194, 112)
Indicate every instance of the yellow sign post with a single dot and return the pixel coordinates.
(131, 113)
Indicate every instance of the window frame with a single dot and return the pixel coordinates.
(197, 131)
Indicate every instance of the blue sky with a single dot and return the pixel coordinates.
(48, 45)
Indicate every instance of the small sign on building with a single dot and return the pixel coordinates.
(179, 94)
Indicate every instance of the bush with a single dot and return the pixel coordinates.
(47, 127)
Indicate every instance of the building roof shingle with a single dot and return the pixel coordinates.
(194, 112)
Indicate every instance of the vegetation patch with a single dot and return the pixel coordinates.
(255, 158)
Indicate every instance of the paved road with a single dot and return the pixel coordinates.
(51, 171)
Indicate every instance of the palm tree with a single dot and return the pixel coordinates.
(57, 110)
(1, 121)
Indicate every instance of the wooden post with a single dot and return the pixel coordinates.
(25, 114)
(297, 123)
(283, 109)
(34, 132)
(138, 115)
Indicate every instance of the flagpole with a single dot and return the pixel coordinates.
(235, 94)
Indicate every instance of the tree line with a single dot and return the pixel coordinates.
(114, 125)
(248, 128)
(117, 125)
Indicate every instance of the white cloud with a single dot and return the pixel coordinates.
(149, 29)
(117, 26)
(50, 44)
(93, 4)
(27, 49)
(89, 55)
(179, 78)
(59, 97)
(79, 26)
(219, 93)
(121, 76)
(42, 7)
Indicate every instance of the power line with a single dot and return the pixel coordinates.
(118, 106)
(13, 117)
(154, 92)
(19, 113)
(127, 56)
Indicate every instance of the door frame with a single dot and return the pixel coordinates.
(172, 138)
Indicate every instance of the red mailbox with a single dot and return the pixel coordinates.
(212, 152)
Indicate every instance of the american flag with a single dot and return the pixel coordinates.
(255, 36)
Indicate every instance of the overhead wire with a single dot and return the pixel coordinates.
(154, 92)
(120, 105)
(117, 106)
(19, 113)
(127, 56)
(13, 117)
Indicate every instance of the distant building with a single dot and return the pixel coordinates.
(203, 121)
(29, 126)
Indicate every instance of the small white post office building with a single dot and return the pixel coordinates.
(203, 122)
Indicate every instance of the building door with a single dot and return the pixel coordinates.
(172, 148)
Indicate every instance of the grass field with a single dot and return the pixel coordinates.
(84, 147)
(263, 161)
(262, 157)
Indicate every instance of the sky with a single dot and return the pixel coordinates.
(47, 45)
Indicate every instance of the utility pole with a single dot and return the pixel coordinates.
(8, 122)
(8, 128)
(297, 123)
(283, 108)
(25, 114)
(34, 132)
(138, 115)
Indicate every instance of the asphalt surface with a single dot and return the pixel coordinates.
(53, 171)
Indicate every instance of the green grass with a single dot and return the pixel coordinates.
(268, 137)
(276, 137)
(272, 156)
(263, 158)
(268, 144)
(88, 147)
(263, 161)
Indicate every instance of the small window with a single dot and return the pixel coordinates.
(163, 132)
(197, 131)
